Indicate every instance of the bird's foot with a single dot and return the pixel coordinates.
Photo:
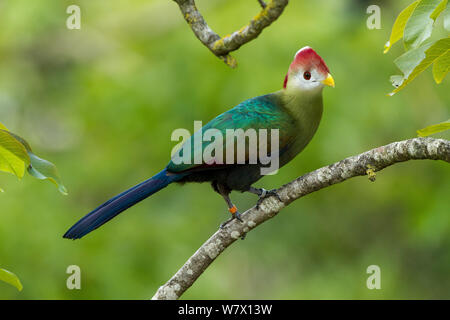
(234, 215)
(237, 216)
(266, 194)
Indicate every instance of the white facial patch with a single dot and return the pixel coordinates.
(297, 80)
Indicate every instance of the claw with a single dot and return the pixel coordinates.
(266, 194)
(234, 215)
(223, 224)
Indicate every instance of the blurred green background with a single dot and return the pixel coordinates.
(102, 102)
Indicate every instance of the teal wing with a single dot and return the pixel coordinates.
(261, 112)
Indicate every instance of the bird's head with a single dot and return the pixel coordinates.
(308, 72)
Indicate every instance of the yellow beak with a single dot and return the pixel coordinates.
(329, 81)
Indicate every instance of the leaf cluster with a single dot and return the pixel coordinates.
(415, 26)
(16, 156)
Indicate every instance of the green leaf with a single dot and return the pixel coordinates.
(2, 127)
(407, 62)
(441, 67)
(441, 6)
(446, 15)
(397, 80)
(11, 278)
(13, 155)
(420, 25)
(45, 170)
(413, 62)
(435, 128)
(399, 25)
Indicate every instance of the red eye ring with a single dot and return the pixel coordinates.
(307, 75)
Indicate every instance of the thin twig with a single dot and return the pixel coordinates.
(375, 160)
(222, 47)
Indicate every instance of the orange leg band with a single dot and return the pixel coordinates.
(233, 210)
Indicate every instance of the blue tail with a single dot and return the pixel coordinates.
(119, 203)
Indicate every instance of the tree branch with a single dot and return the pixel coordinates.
(366, 163)
(222, 47)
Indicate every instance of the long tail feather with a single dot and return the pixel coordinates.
(119, 203)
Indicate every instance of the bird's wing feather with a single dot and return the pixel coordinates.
(262, 112)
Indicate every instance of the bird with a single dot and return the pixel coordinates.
(295, 111)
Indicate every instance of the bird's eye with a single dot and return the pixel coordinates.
(307, 75)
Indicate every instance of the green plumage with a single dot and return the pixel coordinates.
(295, 116)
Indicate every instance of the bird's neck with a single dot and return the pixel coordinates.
(304, 106)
